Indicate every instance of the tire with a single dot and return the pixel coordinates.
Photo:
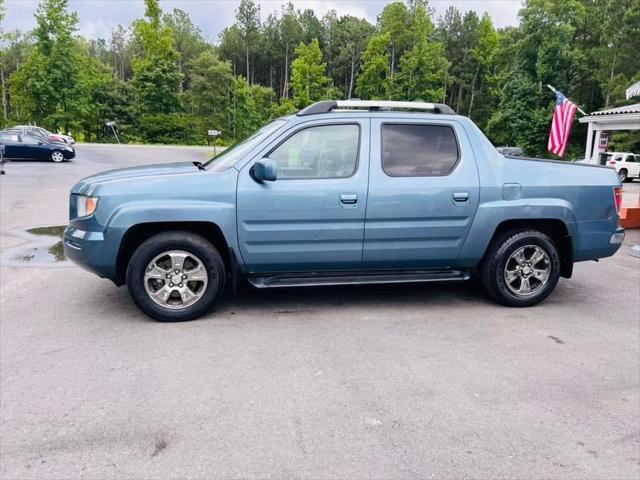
(622, 175)
(501, 262)
(152, 258)
(57, 156)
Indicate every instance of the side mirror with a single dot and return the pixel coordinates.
(40, 143)
(264, 169)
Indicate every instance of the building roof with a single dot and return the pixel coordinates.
(633, 90)
(635, 108)
(620, 118)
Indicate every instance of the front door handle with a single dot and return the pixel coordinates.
(461, 196)
(348, 199)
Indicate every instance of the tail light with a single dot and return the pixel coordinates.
(612, 162)
(617, 194)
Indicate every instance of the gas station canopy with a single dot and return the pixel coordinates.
(620, 118)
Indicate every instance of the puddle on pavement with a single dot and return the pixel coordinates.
(54, 253)
(46, 250)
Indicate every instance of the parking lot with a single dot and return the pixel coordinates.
(419, 381)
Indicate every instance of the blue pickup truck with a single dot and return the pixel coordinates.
(344, 192)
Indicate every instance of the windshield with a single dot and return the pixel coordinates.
(233, 154)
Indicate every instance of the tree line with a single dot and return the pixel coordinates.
(162, 81)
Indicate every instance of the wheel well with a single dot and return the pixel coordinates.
(555, 229)
(137, 234)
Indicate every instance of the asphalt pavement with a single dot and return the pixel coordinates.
(419, 381)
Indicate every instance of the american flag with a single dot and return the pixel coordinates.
(561, 125)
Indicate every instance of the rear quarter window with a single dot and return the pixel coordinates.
(418, 150)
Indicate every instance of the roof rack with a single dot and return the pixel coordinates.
(373, 105)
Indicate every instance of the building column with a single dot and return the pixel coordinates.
(588, 154)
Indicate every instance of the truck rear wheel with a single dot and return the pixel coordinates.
(520, 268)
(175, 276)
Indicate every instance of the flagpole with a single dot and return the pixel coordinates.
(577, 107)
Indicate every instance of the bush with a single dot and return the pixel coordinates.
(176, 128)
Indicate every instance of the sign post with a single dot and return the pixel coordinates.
(112, 125)
(214, 134)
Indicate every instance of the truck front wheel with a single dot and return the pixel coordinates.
(175, 276)
(520, 268)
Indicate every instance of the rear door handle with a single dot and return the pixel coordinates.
(461, 196)
(348, 199)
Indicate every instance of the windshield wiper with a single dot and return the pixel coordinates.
(200, 165)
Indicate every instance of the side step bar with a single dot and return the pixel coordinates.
(355, 278)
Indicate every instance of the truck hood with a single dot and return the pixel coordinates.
(85, 185)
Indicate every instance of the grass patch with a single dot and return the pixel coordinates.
(57, 250)
(55, 231)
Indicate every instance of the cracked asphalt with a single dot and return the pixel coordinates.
(418, 381)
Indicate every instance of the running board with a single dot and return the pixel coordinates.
(355, 278)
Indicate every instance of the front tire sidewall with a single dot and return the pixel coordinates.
(493, 277)
(161, 243)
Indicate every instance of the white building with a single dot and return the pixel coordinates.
(620, 118)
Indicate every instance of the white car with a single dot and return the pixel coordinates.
(56, 137)
(627, 165)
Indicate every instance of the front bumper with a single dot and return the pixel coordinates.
(91, 250)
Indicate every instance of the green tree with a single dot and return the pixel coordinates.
(44, 88)
(100, 97)
(211, 83)
(308, 75)
(483, 55)
(290, 35)
(248, 16)
(373, 80)
(232, 47)
(395, 20)
(520, 119)
(156, 76)
(311, 27)
(120, 53)
(154, 36)
(423, 69)
(189, 42)
(251, 107)
(348, 37)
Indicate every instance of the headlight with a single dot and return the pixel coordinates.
(86, 205)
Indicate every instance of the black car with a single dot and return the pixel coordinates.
(511, 151)
(33, 147)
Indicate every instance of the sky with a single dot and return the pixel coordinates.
(99, 17)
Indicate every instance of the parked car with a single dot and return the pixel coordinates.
(34, 147)
(372, 192)
(53, 137)
(511, 151)
(627, 165)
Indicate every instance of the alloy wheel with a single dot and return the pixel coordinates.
(527, 270)
(175, 279)
(57, 157)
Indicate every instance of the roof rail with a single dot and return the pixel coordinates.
(330, 105)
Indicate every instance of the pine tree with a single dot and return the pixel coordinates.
(423, 69)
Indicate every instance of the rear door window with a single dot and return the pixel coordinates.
(9, 137)
(418, 150)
